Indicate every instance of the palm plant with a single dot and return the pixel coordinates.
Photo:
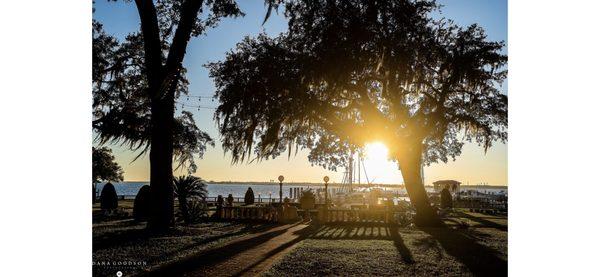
(189, 189)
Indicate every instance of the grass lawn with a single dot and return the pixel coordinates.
(472, 244)
(121, 244)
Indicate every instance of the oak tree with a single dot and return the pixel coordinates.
(348, 72)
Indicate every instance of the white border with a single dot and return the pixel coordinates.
(553, 152)
(45, 141)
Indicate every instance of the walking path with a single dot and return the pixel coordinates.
(247, 256)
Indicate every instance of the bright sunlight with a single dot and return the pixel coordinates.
(379, 168)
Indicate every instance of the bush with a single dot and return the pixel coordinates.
(141, 204)
(197, 210)
(446, 199)
(108, 197)
(249, 197)
(189, 188)
(307, 200)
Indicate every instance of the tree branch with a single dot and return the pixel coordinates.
(152, 49)
(189, 13)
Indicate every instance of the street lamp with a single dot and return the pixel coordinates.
(280, 187)
(326, 179)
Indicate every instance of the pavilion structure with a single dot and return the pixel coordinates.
(452, 185)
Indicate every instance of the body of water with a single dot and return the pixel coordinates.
(130, 189)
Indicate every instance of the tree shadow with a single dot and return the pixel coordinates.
(365, 232)
(120, 238)
(479, 259)
(129, 236)
(482, 221)
(208, 258)
(400, 246)
(202, 241)
(302, 234)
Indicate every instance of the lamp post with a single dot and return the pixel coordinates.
(280, 187)
(326, 179)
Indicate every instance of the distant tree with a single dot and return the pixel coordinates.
(104, 168)
(108, 198)
(249, 197)
(350, 72)
(187, 189)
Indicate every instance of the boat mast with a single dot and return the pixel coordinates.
(358, 164)
(351, 171)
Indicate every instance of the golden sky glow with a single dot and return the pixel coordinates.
(472, 167)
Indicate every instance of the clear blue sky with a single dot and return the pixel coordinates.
(473, 166)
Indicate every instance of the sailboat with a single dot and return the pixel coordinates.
(353, 171)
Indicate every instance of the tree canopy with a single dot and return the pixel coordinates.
(122, 100)
(349, 72)
(104, 167)
(136, 84)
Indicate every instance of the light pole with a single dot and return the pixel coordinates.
(280, 187)
(326, 179)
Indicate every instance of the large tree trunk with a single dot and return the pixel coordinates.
(162, 82)
(161, 164)
(410, 165)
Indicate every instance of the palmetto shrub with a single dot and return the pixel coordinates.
(197, 209)
(191, 194)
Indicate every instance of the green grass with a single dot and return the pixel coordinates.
(480, 249)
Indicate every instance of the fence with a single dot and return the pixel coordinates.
(259, 213)
(329, 216)
(265, 200)
(361, 216)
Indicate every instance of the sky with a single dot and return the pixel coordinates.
(474, 166)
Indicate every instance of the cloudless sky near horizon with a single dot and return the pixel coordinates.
(473, 166)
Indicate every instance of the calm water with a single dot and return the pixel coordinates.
(130, 189)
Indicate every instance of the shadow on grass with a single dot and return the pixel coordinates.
(482, 221)
(365, 232)
(208, 258)
(120, 238)
(302, 234)
(202, 241)
(129, 236)
(400, 246)
(479, 259)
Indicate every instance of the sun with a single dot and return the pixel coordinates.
(376, 151)
(378, 166)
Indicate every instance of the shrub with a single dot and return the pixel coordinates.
(307, 200)
(189, 188)
(108, 197)
(141, 204)
(249, 197)
(446, 199)
(197, 209)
